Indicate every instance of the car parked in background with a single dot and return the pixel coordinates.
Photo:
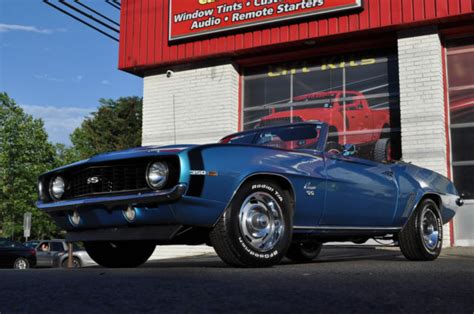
(16, 255)
(31, 244)
(54, 253)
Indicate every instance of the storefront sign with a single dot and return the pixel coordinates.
(189, 18)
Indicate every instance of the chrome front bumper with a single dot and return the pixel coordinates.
(112, 201)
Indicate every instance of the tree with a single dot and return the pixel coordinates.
(65, 155)
(25, 153)
(115, 126)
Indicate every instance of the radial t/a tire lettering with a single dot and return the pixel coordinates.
(422, 237)
(256, 229)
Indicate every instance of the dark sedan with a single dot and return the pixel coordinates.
(16, 255)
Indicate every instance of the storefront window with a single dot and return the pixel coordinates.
(357, 95)
(461, 104)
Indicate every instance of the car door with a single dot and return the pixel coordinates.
(359, 120)
(359, 193)
(44, 258)
(57, 248)
(6, 257)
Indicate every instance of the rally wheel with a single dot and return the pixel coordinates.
(422, 237)
(256, 229)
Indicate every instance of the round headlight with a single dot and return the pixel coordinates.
(157, 175)
(58, 186)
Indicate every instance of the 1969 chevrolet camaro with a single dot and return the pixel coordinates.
(256, 196)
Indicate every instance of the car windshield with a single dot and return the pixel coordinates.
(4, 243)
(31, 244)
(293, 137)
(285, 137)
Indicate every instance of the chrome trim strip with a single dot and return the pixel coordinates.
(110, 201)
(344, 228)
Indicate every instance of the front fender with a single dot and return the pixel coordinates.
(226, 167)
(416, 184)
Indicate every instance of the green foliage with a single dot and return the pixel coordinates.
(115, 126)
(65, 155)
(24, 154)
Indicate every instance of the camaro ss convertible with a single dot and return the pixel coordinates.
(256, 197)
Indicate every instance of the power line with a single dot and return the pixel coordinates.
(88, 16)
(96, 12)
(113, 4)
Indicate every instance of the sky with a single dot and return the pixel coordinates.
(57, 69)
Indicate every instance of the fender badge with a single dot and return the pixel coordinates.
(198, 172)
(310, 189)
(203, 173)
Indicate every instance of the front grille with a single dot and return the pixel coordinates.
(107, 179)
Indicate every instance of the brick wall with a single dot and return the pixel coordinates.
(194, 106)
(422, 101)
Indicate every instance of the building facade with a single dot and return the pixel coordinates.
(398, 70)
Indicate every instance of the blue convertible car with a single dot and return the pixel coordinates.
(256, 197)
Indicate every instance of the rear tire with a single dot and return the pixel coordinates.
(422, 237)
(21, 263)
(120, 254)
(256, 229)
(303, 252)
(76, 263)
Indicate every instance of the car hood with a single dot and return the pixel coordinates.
(138, 152)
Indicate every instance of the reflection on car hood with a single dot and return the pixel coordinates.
(138, 152)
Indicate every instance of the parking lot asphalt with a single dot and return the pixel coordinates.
(341, 280)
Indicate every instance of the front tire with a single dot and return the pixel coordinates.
(76, 263)
(304, 252)
(256, 229)
(120, 254)
(422, 237)
(21, 263)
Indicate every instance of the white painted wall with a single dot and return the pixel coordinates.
(422, 112)
(422, 100)
(191, 107)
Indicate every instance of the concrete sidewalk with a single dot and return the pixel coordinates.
(179, 251)
(458, 251)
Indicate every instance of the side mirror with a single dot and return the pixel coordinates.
(349, 150)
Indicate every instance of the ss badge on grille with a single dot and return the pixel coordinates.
(93, 180)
